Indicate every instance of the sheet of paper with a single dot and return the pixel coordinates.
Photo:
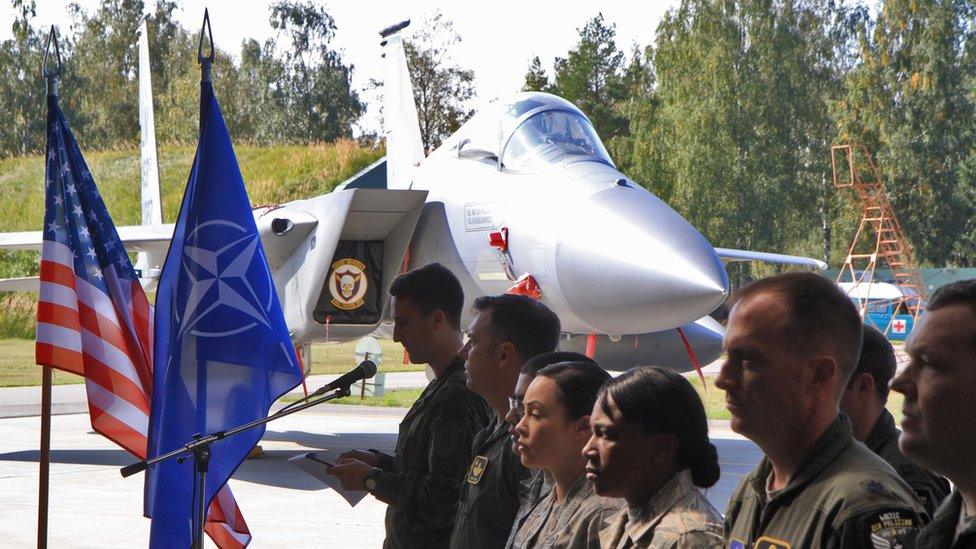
(318, 470)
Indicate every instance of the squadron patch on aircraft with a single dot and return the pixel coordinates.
(349, 284)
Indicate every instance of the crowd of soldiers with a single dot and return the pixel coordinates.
(515, 444)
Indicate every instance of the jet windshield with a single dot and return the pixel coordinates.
(550, 137)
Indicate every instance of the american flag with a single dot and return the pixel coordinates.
(93, 317)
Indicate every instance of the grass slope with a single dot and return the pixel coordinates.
(272, 175)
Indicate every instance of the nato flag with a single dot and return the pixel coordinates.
(222, 351)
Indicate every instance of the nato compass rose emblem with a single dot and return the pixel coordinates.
(222, 299)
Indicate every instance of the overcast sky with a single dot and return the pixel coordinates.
(499, 37)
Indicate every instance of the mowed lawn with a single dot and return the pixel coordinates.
(17, 369)
(17, 366)
(714, 398)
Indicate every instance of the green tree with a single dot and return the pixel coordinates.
(22, 89)
(442, 90)
(536, 78)
(591, 76)
(262, 98)
(743, 90)
(910, 100)
(101, 88)
(638, 153)
(315, 89)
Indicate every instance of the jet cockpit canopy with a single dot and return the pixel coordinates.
(529, 132)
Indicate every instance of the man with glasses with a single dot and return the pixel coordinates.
(507, 331)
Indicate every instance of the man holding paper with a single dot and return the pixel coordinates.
(421, 481)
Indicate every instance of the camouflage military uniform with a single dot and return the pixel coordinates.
(420, 483)
(930, 488)
(678, 516)
(490, 492)
(576, 522)
(534, 488)
(841, 495)
(948, 522)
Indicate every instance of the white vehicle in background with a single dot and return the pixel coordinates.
(884, 306)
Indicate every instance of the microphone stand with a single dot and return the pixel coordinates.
(200, 447)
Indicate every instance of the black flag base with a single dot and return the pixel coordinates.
(200, 449)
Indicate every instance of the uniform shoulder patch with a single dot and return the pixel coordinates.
(478, 466)
(892, 529)
(767, 542)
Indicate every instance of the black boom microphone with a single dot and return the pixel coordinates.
(365, 370)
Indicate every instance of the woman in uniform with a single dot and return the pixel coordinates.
(650, 446)
(550, 436)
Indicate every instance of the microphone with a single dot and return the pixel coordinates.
(365, 370)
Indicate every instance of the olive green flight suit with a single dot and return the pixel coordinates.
(941, 532)
(421, 481)
(491, 491)
(929, 487)
(841, 496)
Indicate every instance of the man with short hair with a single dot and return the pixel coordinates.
(507, 331)
(792, 342)
(864, 402)
(939, 423)
(421, 481)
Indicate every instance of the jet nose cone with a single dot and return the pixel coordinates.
(628, 263)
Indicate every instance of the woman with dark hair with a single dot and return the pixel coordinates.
(539, 482)
(550, 436)
(650, 446)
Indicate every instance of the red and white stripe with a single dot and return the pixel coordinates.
(108, 340)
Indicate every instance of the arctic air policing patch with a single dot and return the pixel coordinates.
(477, 469)
(892, 529)
(348, 284)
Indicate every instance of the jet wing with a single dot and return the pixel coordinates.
(137, 238)
(23, 284)
(728, 254)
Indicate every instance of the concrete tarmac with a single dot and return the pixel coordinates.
(91, 505)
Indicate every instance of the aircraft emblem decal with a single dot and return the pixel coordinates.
(348, 284)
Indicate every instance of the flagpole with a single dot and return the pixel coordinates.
(45, 457)
(201, 454)
(53, 77)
